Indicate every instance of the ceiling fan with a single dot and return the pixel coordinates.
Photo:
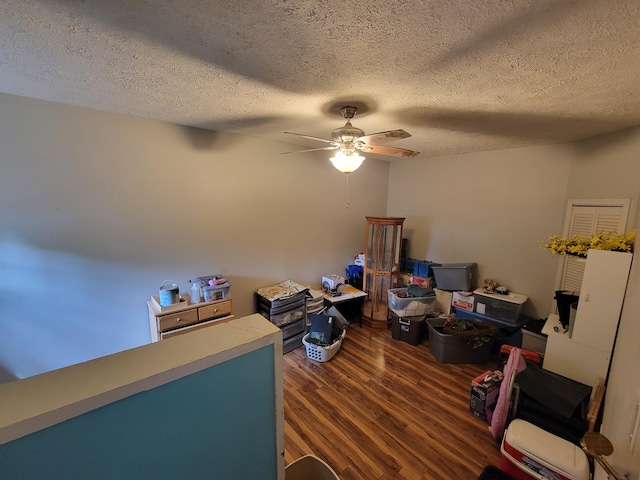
(349, 139)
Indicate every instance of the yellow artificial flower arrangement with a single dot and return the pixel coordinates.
(579, 245)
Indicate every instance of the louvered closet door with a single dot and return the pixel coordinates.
(587, 220)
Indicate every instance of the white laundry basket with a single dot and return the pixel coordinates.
(309, 467)
(322, 354)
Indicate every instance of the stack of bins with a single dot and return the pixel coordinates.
(315, 304)
(287, 311)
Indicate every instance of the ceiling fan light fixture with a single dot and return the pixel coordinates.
(347, 162)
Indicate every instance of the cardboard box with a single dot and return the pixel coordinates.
(463, 300)
(484, 392)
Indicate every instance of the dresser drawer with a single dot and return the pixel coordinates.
(191, 328)
(292, 329)
(177, 320)
(217, 309)
(285, 318)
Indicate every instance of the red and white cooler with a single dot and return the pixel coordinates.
(531, 452)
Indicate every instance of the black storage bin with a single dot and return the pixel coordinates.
(408, 329)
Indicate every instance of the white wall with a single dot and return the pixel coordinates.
(490, 208)
(97, 210)
(608, 167)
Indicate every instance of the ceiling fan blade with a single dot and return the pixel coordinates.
(383, 137)
(332, 147)
(310, 137)
(393, 151)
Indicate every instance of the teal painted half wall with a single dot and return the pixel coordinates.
(217, 424)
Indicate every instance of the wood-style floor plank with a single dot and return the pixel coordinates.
(384, 409)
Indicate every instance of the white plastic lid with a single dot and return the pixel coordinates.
(547, 449)
(168, 286)
(510, 297)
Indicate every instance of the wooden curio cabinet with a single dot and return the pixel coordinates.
(382, 267)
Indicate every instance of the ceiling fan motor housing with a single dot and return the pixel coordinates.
(349, 112)
(346, 135)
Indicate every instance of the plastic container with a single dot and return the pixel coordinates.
(531, 452)
(322, 354)
(291, 329)
(423, 268)
(291, 343)
(196, 293)
(409, 306)
(169, 293)
(280, 305)
(453, 349)
(216, 292)
(408, 329)
(285, 318)
(511, 333)
(456, 276)
(503, 307)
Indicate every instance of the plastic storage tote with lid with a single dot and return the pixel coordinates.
(531, 452)
(456, 276)
(503, 307)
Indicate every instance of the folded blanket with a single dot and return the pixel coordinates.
(417, 291)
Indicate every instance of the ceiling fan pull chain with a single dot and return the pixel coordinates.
(347, 205)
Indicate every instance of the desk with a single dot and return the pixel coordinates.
(351, 299)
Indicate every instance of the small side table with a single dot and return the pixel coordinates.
(350, 300)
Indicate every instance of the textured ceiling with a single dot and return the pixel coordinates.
(460, 76)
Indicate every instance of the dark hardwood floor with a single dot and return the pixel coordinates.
(384, 409)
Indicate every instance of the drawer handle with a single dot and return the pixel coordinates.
(178, 320)
(215, 310)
